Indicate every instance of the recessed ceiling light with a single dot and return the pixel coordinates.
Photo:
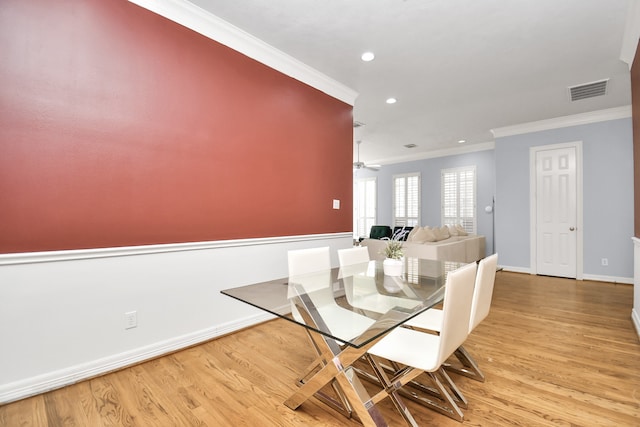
(368, 56)
(461, 141)
(391, 101)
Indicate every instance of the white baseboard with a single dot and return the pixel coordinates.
(636, 321)
(515, 269)
(64, 377)
(613, 279)
(594, 277)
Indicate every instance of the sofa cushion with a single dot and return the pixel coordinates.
(412, 233)
(457, 248)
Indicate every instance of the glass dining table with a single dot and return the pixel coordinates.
(345, 311)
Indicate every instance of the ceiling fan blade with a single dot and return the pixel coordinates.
(361, 165)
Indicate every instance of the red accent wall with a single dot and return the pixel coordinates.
(119, 127)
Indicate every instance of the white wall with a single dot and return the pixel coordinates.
(62, 313)
(607, 196)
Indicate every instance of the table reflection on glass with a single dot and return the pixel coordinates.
(346, 311)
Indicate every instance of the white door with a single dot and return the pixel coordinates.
(556, 212)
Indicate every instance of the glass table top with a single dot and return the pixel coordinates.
(353, 304)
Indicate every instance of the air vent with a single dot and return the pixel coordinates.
(410, 146)
(357, 124)
(588, 90)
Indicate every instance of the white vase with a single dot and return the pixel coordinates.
(392, 267)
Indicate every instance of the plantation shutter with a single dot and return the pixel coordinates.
(459, 197)
(406, 200)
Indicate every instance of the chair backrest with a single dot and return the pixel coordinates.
(353, 262)
(456, 310)
(355, 255)
(303, 261)
(310, 269)
(483, 291)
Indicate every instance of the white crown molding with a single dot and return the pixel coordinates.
(209, 25)
(631, 34)
(79, 254)
(463, 149)
(565, 121)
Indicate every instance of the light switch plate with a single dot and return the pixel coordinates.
(336, 204)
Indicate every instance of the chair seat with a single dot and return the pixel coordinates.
(430, 320)
(409, 347)
(382, 303)
(362, 293)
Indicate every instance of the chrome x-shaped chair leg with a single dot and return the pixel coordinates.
(469, 366)
(443, 397)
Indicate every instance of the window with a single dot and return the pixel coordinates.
(406, 200)
(364, 206)
(459, 197)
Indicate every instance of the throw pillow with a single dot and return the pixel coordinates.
(453, 230)
(412, 233)
(424, 234)
(441, 233)
(461, 230)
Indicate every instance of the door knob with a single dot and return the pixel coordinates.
(571, 228)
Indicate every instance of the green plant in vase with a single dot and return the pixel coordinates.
(392, 264)
(393, 250)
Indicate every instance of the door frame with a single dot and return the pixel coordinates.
(533, 200)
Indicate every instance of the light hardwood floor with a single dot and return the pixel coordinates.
(554, 352)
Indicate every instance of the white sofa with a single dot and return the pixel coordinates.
(468, 248)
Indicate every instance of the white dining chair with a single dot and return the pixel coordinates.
(310, 279)
(310, 269)
(420, 352)
(305, 261)
(482, 294)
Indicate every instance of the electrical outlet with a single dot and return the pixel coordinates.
(131, 320)
(605, 261)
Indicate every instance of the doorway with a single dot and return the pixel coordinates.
(556, 210)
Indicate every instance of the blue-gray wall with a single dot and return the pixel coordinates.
(504, 172)
(607, 149)
(430, 170)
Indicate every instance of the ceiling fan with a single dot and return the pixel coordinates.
(361, 165)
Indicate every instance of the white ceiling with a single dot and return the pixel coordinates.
(458, 68)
